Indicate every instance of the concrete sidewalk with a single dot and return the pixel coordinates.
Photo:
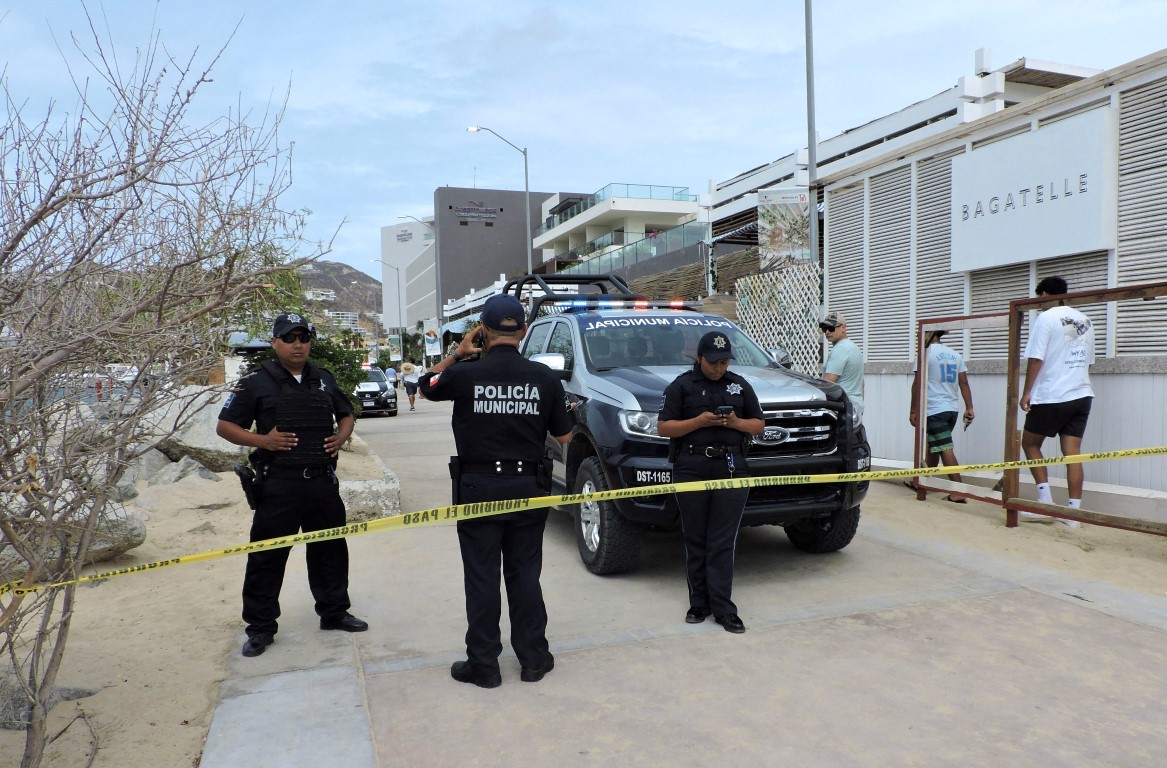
(893, 652)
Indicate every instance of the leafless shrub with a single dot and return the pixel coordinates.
(129, 234)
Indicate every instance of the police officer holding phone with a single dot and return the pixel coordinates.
(710, 414)
(301, 420)
(504, 407)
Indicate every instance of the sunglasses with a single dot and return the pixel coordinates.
(827, 328)
(305, 337)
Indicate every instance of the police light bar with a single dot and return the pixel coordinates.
(625, 304)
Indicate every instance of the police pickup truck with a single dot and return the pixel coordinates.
(616, 352)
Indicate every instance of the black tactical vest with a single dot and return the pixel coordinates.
(305, 409)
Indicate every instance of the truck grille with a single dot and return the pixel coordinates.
(797, 432)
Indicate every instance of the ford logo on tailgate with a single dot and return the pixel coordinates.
(772, 436)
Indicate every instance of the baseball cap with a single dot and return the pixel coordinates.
(833, 320)
(503, 312)
(288, 322)
(714, 346)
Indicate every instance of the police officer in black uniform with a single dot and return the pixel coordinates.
(504, 407)
(301, 420)
(710, 413)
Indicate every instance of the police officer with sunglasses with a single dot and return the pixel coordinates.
(301, 420)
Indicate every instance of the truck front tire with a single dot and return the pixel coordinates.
(607, 542)
(824, 534)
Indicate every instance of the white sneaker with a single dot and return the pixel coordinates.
(1070, 523)
(1033, 517)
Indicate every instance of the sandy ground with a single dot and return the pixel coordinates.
(157, 645)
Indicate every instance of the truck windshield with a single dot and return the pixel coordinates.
(661, 340)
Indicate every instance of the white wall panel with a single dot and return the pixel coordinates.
(1111, 427)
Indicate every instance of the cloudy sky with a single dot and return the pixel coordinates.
(667, 92)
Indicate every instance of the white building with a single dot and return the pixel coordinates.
(960, 203)
(341, 320)
(320, 294)
(408, 278)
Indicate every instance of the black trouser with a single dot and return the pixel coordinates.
(512, 543)
(287, 506)
(710, 521)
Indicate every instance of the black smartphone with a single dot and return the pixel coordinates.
(724, 410)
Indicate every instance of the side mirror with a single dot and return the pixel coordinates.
(781, 356)
(555, 361)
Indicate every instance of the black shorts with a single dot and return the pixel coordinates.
(1067, 419)
(939, 430)
(410, 388)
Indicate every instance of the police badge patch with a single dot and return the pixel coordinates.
(734, 389)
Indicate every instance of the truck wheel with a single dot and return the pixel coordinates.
(824, 534)
(607, 542)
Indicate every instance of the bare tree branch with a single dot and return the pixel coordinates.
(130, 233)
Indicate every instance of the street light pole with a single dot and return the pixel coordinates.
(526, 194)
(811, 141)
(397, 282)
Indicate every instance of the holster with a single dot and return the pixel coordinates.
(543, 473)
(250, 482)
(455, 479)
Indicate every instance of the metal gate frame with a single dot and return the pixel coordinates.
(923, 328)
(1013, 319)
(1012, 452)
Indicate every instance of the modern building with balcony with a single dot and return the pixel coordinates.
(342, 320)
(616, 227)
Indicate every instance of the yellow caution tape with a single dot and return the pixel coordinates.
(455, 512)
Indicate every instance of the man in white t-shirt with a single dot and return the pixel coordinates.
(947, 386)
(1057, 395)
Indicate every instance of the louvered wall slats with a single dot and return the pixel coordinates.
(939, 291)
(1141, 327)
(992, 290)
(844, 290)
(889, 309)
(1140, 129)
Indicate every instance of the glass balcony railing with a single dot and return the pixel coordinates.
(635, 191)
(659, 244)
(599, 244)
